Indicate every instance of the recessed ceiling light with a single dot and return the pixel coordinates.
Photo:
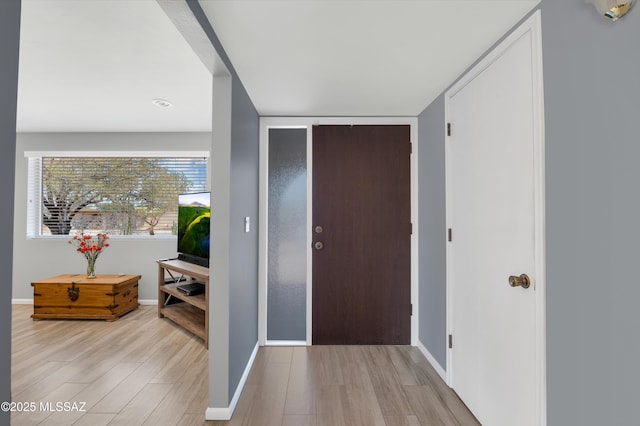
(162, 103)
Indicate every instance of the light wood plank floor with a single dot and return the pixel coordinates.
(132, 372)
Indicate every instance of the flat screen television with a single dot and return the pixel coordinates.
(194, 216)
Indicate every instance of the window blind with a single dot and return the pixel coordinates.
(118, 195)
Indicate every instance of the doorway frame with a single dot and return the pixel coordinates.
(531, 24)
(267, 123)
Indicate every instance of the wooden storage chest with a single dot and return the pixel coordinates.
(74, 296)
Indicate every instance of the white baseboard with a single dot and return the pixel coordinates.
(285, 343)
(218, 413)
(153, 302)
(226, 413)
(435, 364)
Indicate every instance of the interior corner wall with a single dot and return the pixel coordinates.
(592, 104)
(432, 178)
(9, 48)
(219, 270)
(432, 284)
(243, 202)
(592, 110)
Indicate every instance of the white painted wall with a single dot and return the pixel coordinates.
(39, 258)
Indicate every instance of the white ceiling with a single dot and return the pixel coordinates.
(355, 57)
(95, 65)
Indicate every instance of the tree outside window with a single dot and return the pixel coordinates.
(121, 195)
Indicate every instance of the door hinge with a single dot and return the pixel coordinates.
(411, 309)
(411, 228)
(450, 341)
(448, 129)
(410, 148)
(450, 235)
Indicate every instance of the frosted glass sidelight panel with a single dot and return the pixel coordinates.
(287, 274)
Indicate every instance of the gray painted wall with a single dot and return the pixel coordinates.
(592, 103)
(243, 294)
(592, 110)
(243, 247)
(432, 216)
(432, 286)
(9, 47)
(53, 256)
(592, 211)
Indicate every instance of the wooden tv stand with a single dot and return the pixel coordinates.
(190, 312)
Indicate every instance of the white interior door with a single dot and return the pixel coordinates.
(494, 185)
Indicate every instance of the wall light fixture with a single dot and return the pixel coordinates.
(612, 9)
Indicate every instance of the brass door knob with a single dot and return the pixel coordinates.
(318, 245)
(521, 281)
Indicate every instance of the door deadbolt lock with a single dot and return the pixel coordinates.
(521, 281)
(319, 229)
(318, 245)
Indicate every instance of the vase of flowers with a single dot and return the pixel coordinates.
(90, 247)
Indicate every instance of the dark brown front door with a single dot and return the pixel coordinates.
(362, 252)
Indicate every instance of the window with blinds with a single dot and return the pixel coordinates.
(135, 195)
